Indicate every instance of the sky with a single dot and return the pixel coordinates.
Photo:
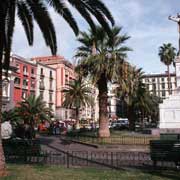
(144, 20)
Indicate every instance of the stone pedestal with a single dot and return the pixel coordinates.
(170, 108)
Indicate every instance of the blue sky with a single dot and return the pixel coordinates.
(144, 20)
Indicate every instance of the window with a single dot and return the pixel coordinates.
(153, 80)
(5, 88)
(146, 80)
(18, 67)
(50, 97)
(41, 71)
(32, 71)
(162, 79)
(17, 80)
(24, 95)
(163, 93)
(163, 85)
(25, 82)
(50, 74)
(41, 94)
(33, 84)
(24, 68)
(51, 85)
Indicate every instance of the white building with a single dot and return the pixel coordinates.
(91, 112)
(157, 84)
(8, 87)
(46, 84)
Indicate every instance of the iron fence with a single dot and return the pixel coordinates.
(115, 160)
(121, 140)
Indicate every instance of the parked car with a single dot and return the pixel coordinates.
(121, 123)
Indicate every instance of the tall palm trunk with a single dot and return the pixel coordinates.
(168, 79)
(103, 113)
(131, 118)
(3, 171)
(77, 118)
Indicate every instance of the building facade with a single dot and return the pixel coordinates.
(157, 84)
(24, 80)
(46, 85)
(64, 74)
(8, 87)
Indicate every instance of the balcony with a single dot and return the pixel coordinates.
(41, 86)
(25, 73)
(41, 76)
(5, 99)
(17, 85)
(24, 87)
(32, 88)
(51, 89)
(33, 76)
(51, 102)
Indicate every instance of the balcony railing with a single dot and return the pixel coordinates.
(41, 86)
(16, 85)
(5, 99)
(51, 102)
(41, 75)
(24, 86)
(25, 73)
(32, 88)
(33, 75)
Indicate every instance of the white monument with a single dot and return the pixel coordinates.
(170, 108)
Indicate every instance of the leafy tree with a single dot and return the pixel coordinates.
(33, 110)
(136, 96)
(30, 10)
(100, 59)
(167, 55)
(77, 95)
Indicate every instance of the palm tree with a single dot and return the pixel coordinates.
(167, 54)
(102, 66)
(32, 110)
(135, 94)
(30, 10)
(76, 95)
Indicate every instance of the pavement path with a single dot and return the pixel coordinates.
(54, 143)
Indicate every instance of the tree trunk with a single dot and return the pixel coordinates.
(3, 171)
(168, 79)
(77, 119)
(103, 113)
(131, 118)
(2, 158)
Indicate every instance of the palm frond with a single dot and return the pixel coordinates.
(26, 19)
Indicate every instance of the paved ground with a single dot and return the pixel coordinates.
(54, 143)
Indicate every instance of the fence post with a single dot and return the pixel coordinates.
(111, 158)
(67, 159)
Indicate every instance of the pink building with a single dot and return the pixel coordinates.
(64, 74)
(24, 78)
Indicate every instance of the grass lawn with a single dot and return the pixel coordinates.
(29, 172)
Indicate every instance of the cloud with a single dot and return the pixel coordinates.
(145, 21)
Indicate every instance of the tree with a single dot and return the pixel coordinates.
(139, 101)
(30, 10)
(167, 55)
(76, 95)
(102, 66)
(33, 110)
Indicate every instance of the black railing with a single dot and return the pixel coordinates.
(121, 140)
(114, 160)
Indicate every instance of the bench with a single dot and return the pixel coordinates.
(165, 150)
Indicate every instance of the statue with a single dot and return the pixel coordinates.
(177, 20)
